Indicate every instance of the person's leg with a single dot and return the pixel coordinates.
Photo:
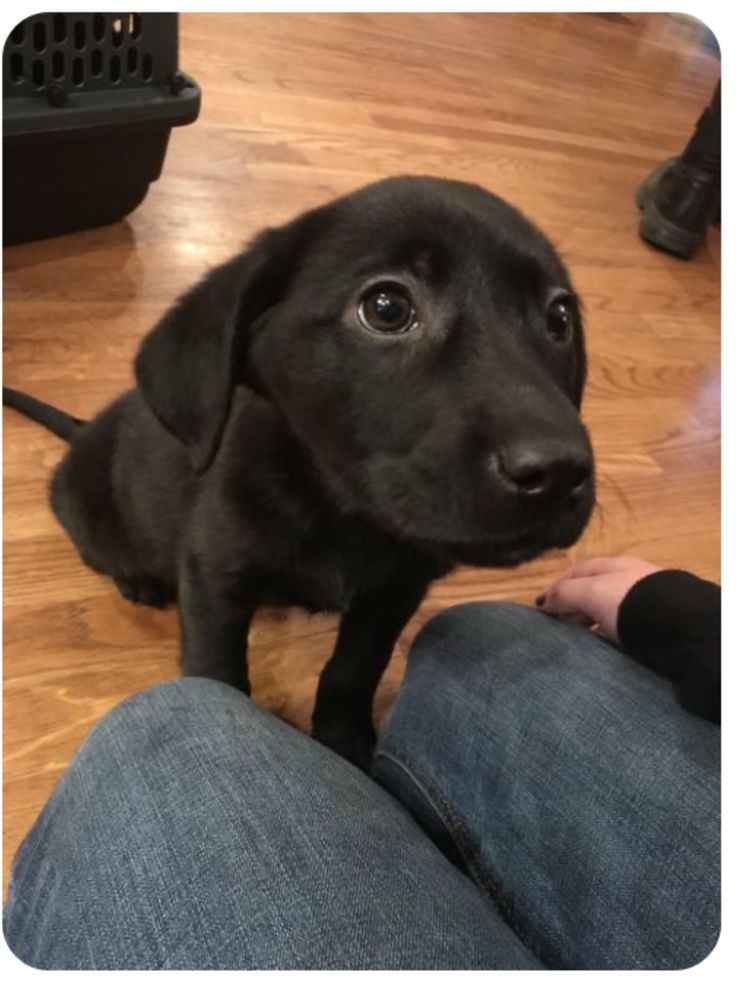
(704, 147)
(195, 830)
(569, 783)
(681, 196)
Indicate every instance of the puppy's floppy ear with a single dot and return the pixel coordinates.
(189, 364)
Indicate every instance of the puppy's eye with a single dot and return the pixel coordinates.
(387, 308)
(561, 318)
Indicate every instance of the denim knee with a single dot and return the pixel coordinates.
(479, 631)
(179, 693)
(469, 650)
(145, 711)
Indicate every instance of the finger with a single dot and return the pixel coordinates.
(573, 596)
(591, 567)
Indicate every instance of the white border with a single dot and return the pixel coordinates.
(716, 17)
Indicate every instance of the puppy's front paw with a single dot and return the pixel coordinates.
(355, 747)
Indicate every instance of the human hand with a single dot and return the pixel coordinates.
(591, 592)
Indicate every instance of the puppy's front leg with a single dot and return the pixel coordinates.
(342, 716)
(215, 618)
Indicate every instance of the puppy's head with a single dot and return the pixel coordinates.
(424, 343)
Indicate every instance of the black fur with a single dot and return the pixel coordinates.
(276, 451)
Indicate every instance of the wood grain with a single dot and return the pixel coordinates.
(563, 114)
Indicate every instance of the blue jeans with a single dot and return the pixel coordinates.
(540, 801)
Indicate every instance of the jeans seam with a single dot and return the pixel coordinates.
(460, 835)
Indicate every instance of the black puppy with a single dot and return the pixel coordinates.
(381, 389)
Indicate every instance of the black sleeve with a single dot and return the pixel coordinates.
(671, 622)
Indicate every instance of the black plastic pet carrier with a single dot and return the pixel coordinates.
(88, 105)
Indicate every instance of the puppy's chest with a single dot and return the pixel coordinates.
(327, 576)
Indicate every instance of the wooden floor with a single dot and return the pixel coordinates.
(562, 114)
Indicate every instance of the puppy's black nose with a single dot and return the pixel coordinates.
(544, 471)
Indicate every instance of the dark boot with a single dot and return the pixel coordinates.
(678, 202)
(683, 195)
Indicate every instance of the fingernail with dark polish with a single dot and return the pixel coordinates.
(540, 600)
